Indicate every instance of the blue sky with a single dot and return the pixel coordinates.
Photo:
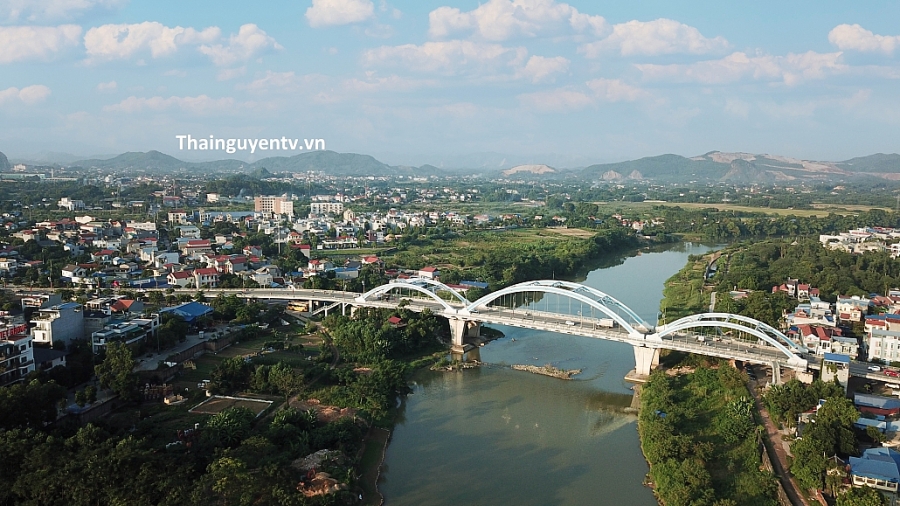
(421, 81)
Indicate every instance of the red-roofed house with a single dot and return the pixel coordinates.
(180, 279)
(207, 277)
(197, 247)
(429, 272)
(123, 306)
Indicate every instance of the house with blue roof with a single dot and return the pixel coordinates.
(877, 404)
(190, 311)
(836, 366)
(878, 468)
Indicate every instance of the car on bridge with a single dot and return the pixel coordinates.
(891, 373)
(875, 368)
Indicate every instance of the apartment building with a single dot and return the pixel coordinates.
(61, 323)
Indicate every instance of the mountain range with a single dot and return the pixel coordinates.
(710, 167)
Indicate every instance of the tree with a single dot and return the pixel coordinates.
(861, 496)
(116, 372)
(283, 378)
(229, 426)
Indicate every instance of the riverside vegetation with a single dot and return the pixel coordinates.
(699, 434)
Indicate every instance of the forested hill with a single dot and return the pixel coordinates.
(4, 162)
(745, 168)
(329, 162)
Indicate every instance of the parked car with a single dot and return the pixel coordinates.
(893, 374)
(874, 368)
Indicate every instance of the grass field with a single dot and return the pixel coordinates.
(820, 209)
(216, 404)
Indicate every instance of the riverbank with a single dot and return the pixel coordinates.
(370, 464)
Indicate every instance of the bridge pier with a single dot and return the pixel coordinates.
(461, 329)
(645, 359)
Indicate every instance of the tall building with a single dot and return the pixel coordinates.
(271, 204)
(61, 323)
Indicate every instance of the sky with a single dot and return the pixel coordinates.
(421, 81)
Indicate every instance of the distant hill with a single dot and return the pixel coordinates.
(329, 162)
(745, 168)
(878, 163)
(4, 162)
(151, 160)
(537, 169)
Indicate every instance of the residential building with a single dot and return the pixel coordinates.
(852, 308)
(835, 366)
(46, 358)
(429, 272)
(878, 468)
(16, 352)
(62, 323)
(190, 311)
(207, 277)
(41, 300)
(180, 279)
(335, 208)
(877, 404)
(132, 332)
(177, 216)
(272, 205)
(70, 205)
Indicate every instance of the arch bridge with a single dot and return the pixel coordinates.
(571, 308)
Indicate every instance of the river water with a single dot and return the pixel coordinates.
(494, 436)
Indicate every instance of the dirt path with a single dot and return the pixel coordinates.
(779, 459)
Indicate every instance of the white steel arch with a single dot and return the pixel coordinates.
(587, 295)
(436, 284)
(390, 286)
(759, 329)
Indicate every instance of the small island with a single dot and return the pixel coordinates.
(548, 370)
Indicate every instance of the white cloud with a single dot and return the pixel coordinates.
(282, 82)
(201, 104)
(107, 87)
(380, 31)
(249, 42)
(541, 68)
(110, 42)
(790, 69)
(229, 74)
(500, 20)
(48, 10)
(374, 83)
(448, 57)
(339, 12)
(20, 43)
(28, 95)
(737, 107)
(662, 36)
(857, 38)
(558, 100)
(615, 90)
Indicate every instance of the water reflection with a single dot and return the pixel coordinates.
(491, 435)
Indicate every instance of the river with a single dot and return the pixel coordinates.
(491, 435)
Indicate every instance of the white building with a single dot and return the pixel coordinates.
(69, 204)
(62, 323)
(336, 208)
(131, 332)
